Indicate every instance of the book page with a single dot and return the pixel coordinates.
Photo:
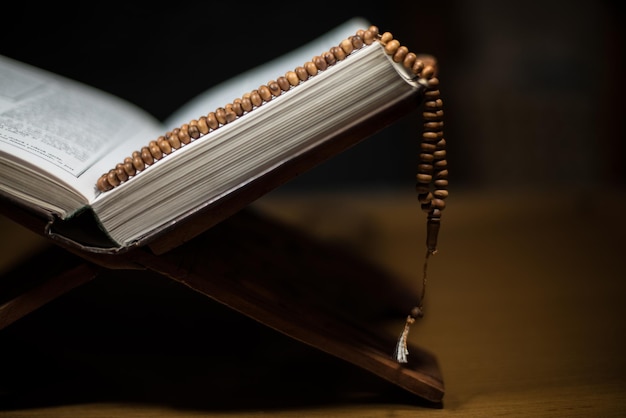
(61, 128)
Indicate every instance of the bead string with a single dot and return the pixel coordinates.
(183, 135)
(432, 172)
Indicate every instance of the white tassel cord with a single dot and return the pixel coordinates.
(401, 353)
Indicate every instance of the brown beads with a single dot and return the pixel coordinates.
(292, 78)
(183, 135)
(164, 145)
(346, 46)
(434, 154)
(195, 129)
(432, 169)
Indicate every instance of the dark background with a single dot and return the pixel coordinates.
(532, 90)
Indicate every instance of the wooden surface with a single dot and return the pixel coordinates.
(524, 311)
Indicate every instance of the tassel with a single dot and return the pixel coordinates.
(402, 351)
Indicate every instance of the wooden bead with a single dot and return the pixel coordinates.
(433, 125)
(440, 164)
(128, 166)
(338, 52)
(203, 126)
(193, 130)
(433, 104)
(422, 188)
(386, 37)
(369, 37)
(265, 93)
(292, 77)
(433, 115)
(320, 63)
(374, 30)
(428, 147)
(138, 161)
(172, 138)
(310, 68)
(329, 58)
(440, 194)
(438, 203)
(211, 120)
(428, 71)
(440, 154)
(112, 178)
(417, 67)
(155, 151)
(425, 168)
(424, 178)
(283, 83)
(120, 172)
(346, 46)
(441, 183)
(237, 108)
(432, 94)
(192, 123)
(274, 88)
(392, 46)
(255, 98)
(433, 83)
(417, 312)
(220, 115)
(302, 73)
(230, 113)
(146, 156)
(164, 145)
(246, 103)
(183, 134)
(103, 184)
(431, 136)
(427, 157)
(357, 41)
(409, 60)
(400, 54)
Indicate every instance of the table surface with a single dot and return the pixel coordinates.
(524, 311)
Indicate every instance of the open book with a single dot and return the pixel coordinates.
(108, 177)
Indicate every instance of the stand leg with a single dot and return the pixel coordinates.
(312, 293)
(40, 280)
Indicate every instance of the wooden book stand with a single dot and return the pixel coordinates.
(310, 291)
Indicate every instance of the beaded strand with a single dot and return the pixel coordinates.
(183, 135)
(432, 169)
